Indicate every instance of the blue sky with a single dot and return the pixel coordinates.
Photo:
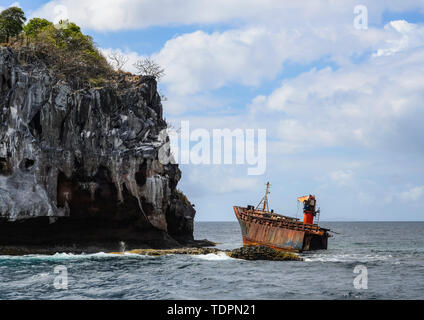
(343, 107)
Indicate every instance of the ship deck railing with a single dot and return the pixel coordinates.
(279, 220)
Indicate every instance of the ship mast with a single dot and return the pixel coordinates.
(264, 201)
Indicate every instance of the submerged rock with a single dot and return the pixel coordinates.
(263, 253)
(245, 253)
(79, 167)
(164, 252)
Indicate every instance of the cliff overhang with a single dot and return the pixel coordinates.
(79, 166)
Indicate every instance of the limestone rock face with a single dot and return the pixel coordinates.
(84, 157)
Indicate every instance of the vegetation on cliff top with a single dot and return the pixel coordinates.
(63, 47)
(11, 23)
(71, 54)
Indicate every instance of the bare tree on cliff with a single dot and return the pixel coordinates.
(11, 23)
(147, 67)
(118, 60)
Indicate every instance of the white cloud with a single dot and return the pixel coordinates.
(342, 177)
(200, 61)
(272, 35)
(413, 194)
(134, 14)
(375, 103)
(404, 36)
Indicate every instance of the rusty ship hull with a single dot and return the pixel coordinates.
(260, 228)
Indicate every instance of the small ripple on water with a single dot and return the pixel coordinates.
(71, 256)
(353, 257)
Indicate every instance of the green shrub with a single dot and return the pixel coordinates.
(70, 53)
(11, 23)
(35, 26)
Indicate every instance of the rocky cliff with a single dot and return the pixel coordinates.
(79, 166)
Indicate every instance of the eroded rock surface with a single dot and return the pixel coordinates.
(263, 253)
(244, 253)
(80, 166)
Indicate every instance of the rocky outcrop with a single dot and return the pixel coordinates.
(79, 167)
(244, 253)
(263, 253)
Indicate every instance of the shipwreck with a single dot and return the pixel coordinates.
(262, 227)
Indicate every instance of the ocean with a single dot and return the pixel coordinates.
(387, 256)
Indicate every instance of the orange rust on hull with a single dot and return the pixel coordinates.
(247, 243)
(279, 232)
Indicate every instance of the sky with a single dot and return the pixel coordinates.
(342, 104)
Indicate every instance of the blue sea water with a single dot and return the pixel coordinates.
(391, 252)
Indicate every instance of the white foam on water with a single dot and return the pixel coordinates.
(129, 254)
(213, 256)
(65, 256)
(71, 256)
